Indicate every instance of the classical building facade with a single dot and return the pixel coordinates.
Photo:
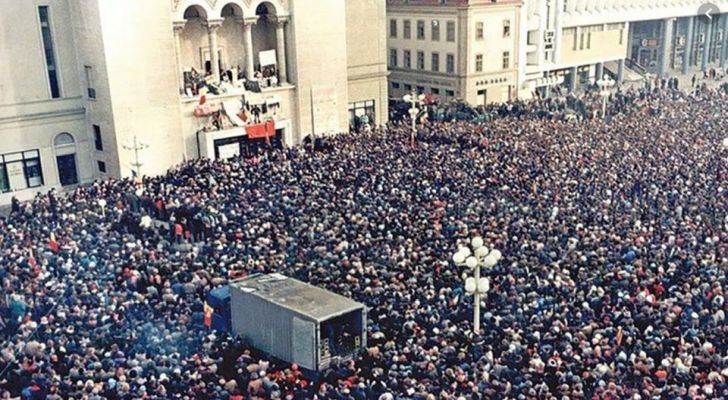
(96, 88)
(465, 49)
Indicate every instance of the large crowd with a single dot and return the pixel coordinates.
(614, 237)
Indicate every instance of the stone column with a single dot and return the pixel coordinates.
(707, 45)
(281, 49)
(724, 48)
(598, 71)
(212, 26)
(572, 83)
(248, 44)
(177, 27)
(620, 71)
(667, 35)
(687, 54)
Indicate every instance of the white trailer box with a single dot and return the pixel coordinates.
(297, 322)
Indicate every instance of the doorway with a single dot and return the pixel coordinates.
(65, 149)
(67, 169)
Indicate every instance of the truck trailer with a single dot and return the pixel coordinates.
(297, 322)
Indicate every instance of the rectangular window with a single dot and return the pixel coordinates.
(50, 55)
(98, 142)
(588, 40)
(393, 28)
(507, 28)
(449, 93)
(506, 59)
(435, 62)
(420, 60)
(20, 171)
(420, 29)
(479, 30)
(102, 166)
(435, 30)
(361, 114)
(393, 58)
(408, 87)
(407, 60)
(4, 183)
(395, 85)
(451, 63)
(435, 91)
(450, 31)
(581, 41)
(478, 63)
(90, 87)
(407, 29)
(420, 89)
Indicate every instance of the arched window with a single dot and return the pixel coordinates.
(63, 139)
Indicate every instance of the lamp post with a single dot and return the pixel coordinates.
(605, 84)
(480, 257)
(415, 110)
(136, 145)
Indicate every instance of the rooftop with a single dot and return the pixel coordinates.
(300, 297)
(450, 3)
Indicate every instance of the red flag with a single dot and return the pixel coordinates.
(620, 336)
(208, 315)
(52, 244)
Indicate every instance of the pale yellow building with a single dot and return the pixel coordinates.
(464, 49)
(97, 88)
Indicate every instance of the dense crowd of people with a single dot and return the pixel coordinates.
(612, 284)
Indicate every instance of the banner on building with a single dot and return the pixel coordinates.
(267, 57)
(325, 110)
(261, 131)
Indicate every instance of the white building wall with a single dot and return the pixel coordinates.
(319, 60)
(89, 43)
(366, 49)
(30, 118)
(143, 82)
(23, 73)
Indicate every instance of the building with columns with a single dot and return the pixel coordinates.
(572, 42)
(464, 49)
(96, 88)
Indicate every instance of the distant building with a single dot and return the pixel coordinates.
(465, 49)
(571, 43)
(81, 79)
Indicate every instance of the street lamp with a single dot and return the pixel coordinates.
(605, 84)
(415, 110)
(136, 145)
(480, 257)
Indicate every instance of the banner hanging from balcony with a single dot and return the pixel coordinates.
(261, 131)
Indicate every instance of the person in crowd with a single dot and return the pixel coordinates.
(612, 284)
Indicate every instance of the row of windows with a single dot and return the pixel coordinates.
(434, 60)
(480, 29)
(421, 89)
(420, 30)
(505, 61)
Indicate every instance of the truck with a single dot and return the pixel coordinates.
(291, 320)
